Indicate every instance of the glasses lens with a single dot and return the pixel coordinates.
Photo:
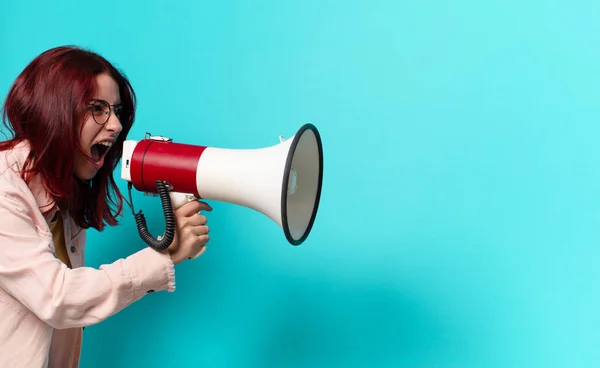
(100, 111)
(118, 111)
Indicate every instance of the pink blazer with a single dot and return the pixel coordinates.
(43, 304)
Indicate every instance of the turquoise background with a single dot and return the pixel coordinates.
(460, 217)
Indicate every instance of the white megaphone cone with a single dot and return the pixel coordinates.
(282, 182)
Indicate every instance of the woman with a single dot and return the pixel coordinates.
(69, 112)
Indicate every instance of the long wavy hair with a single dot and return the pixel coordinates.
(46, 107)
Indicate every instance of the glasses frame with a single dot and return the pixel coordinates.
(117, 109)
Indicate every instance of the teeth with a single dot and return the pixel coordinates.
(106, 143)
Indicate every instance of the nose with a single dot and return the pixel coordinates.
(113, 124)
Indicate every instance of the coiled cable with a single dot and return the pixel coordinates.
(161, 243)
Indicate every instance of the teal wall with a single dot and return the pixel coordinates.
(460, 217)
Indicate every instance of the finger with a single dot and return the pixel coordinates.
(197, 220)
(204, 206)
(193, 207)
(200, 230)
(203, 239)
(200, 252)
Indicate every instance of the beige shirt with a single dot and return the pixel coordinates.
(58, 236)
(44, 304)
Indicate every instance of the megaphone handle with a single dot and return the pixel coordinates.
(179, 199)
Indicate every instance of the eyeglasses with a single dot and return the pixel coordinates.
(101, 111)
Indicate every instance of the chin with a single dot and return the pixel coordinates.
(86, 174)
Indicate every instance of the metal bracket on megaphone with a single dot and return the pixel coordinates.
(157, 137)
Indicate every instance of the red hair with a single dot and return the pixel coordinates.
(46, 107)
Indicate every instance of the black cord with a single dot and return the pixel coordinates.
(142, 226)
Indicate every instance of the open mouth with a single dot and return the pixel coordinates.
(99, 150)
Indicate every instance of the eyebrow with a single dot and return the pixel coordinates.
(101, 99)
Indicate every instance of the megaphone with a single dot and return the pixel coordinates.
(282, 181)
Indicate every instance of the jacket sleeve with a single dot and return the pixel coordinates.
(58, 295)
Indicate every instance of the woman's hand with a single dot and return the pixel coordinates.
(191, 233)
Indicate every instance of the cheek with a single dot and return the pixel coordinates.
(88, 132)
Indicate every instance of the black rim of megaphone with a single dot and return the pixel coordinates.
(286, 177)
